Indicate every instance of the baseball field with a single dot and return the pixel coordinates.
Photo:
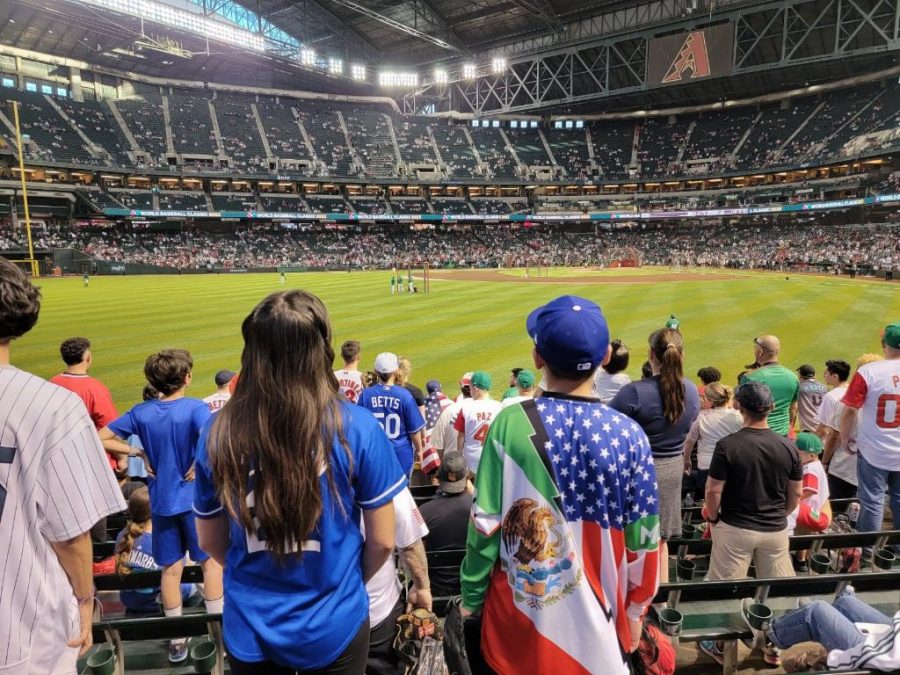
(469, 321)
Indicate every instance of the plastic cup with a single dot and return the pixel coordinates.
(689, 532)
(819, 563)
(203, 656)
(102, 662)
(684, 569)
(884, 559)
(670, 621)
(759, 616)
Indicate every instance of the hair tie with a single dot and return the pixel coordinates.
(671, 345)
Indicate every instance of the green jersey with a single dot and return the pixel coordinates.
(785, 388)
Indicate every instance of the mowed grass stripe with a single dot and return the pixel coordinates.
(460, 326)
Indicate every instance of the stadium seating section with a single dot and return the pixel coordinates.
(320, 138)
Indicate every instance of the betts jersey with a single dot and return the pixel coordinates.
(399, 416)
(55, 484)
(875, 392)
(473, 422)
(217, 401)
(350, 384)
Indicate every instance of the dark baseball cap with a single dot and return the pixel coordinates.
(807, 370)
(891, 335)
(453, 473)
(570, 333)
(223, 377)
(755, 397)
(432, 386)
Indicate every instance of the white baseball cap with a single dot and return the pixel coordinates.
(386, 362)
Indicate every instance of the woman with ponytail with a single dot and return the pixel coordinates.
(665, 405)
(283, 472)
(134, 551)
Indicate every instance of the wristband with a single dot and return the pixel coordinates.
(83, 601)
(711, 521)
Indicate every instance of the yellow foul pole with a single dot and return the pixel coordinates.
(35, 270)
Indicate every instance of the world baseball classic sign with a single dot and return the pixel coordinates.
(688, 57)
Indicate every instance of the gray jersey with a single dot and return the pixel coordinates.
(55, 484)
(810, 398)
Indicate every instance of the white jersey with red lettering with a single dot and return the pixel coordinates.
(350, 383)
(55, 484)
(217, 401)
(474, 420)
(875, 392)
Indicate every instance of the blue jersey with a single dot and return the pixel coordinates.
(399, 416)
(305, 613)
(141, 559)
(168, 430)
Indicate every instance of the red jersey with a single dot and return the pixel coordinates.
(96, 397)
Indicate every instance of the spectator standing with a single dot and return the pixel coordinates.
(285, 524)
(435, 403)
(384, 587)
(396, 411)
(524, 388)
(474, 419)
(513, 389)
(404, 372)
(447, 518)
(77, 355)
(754, 483)
(665, 406)
(707, 376)
(168, 429)
(612, 377)
(783, 384)
(443, 435)
(838, 457)
(809, 397)
(216, 401)
(56, 485)
(872, 407)
(349, 378)
(712, 425)
(537, 525)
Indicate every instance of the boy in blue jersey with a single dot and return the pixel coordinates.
(396, 411)
(168, 429)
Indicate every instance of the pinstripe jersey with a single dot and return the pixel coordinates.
(55, 483)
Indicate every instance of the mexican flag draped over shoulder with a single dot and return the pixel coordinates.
(563, 543)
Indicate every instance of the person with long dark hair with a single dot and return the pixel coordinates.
(665, 405)
(283, 472)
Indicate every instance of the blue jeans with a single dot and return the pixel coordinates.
(829, 625)
(873, 483)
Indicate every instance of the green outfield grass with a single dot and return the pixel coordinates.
(461, 325)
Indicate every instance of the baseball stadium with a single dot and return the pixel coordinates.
(431, 337)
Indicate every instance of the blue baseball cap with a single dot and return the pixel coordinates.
(570, 333)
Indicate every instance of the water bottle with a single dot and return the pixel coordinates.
(853, 514)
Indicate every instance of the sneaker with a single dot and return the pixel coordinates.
(712, 649)
(178, 650)
(801, 566)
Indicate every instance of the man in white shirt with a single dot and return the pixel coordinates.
(349, 378)
(55, 483)
(872, 406)
(223, 391)
(474, 420)
(443, 435)
(384, 587)
(839, 456)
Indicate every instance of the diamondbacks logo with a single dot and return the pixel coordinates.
(692, 57)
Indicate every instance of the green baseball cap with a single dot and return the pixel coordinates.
(481, 380)
(525, 379)
(892, 335)
(809, 442)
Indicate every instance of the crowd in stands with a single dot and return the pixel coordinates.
(347, 140)
(742, 245)
(562, 486)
